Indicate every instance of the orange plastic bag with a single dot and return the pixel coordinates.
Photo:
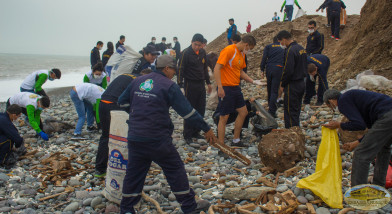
(326, 182)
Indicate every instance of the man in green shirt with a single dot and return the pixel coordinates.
(33, 83)
(32, 105)
(289, 9)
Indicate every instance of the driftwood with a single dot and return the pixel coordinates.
(67, 190)
(232, 153)
(156, 204)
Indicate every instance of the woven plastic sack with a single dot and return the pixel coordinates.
(118, 156)
(326, 182)
(300, 13)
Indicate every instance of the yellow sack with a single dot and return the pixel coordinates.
(326, 182)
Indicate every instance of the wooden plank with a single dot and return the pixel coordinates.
(310, 208)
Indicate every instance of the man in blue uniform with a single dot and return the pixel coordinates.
(149, 56)
(149, 136)
(231, 31)
(335, 7)
(272, 66)
(315, 40)
(292, 83)
(95, 57)
(365, 109)
(317, 68)
(9, 136)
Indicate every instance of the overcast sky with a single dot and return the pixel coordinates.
(72, 27)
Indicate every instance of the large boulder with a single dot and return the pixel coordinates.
(282, 149)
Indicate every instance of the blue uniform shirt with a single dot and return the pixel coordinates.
(273, 54)
(363, 108)
(321, 61)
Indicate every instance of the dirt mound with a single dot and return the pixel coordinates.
(281, 149)
(368, 45)
(366, 42)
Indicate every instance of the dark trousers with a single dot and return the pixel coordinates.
(311, 88)
(293, 94)
(335, 24)
(274, 74)
(375, 145)
(141, 154)
(195, 92)
(5, 150)
(289, 12)
(103, 148)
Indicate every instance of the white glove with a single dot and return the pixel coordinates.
(257, 82)
(182, 90)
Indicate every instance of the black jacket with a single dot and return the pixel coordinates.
(94, 56)
(161, 47)
(118, 44)
(193, 66)
(296, 65)
(116, 88)
(177, 49)
(140, 65)
(333, 5)
(106, 56)
(315, 43)
(9, 136)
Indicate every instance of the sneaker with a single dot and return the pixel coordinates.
(91, 129)
(202, 205)
(188, 141)
(77, 137)
(239, 144)
(337, 39)
(332, 37)
(99, 174)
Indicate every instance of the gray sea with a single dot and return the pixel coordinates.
(14, 68)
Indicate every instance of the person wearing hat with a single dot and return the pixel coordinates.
(96, 76)
(192, 78)
(109, 100)
(149, 56)
(232, 30)
(33, 83)
(149, 136)
(32, 106)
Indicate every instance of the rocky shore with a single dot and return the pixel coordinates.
(57, 176)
